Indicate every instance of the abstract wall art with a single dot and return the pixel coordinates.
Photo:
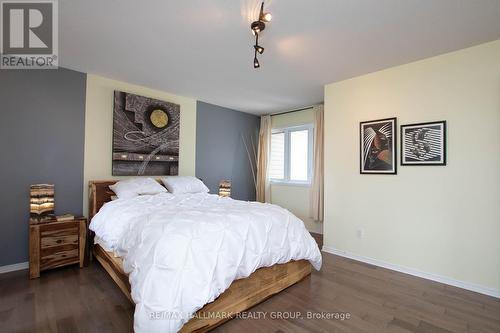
(378, 146)
(423, 144)
(145, 136)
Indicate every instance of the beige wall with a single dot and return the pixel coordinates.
(99, 128)
(434, 219)
(295, 198)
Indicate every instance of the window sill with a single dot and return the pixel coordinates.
(288, 183)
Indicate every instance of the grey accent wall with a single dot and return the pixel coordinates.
(220, 152)
(42, 131)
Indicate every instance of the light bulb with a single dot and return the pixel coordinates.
(267, 17)
(256, 63)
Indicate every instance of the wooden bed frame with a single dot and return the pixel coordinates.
(240, 296)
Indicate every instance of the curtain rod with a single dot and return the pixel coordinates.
(296, 110)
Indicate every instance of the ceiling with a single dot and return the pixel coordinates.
(203, 49)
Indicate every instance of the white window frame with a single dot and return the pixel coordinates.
(287, 130)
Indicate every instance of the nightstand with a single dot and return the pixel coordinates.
(55, 244)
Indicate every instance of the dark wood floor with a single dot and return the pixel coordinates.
(378, 300)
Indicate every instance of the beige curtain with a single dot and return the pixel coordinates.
(316, 201)
(263, 188)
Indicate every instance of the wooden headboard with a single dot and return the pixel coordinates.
(99, 194)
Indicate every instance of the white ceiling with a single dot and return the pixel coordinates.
(203, 49)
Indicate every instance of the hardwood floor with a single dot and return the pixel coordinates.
(377, 299)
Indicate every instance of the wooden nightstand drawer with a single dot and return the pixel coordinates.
(47, 242)
(50, 251)
(57, 230)
(59, 256)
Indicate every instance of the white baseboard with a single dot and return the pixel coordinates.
(14, 267)
(429, 276)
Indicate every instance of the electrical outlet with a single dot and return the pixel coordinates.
(360, 232)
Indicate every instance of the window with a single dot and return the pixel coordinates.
(291, 155)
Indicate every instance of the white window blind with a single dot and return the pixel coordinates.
(277, 165)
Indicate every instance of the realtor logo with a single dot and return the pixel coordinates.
(29, 38)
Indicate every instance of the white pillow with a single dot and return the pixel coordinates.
(184, 184)
(130, 188)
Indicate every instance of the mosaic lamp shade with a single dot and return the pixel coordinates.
(41, 202)
(225, 188)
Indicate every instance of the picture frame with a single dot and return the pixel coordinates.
(378, 142)
(423, 143)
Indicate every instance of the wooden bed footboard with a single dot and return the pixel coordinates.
(240, 296)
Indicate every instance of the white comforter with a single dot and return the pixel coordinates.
(182, 251)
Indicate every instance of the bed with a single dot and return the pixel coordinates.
(240, 295)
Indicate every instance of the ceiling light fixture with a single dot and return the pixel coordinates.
(259, 49)
(267, 17)
(257, 27)
(256, 62)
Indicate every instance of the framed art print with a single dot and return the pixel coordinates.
(145, 136)
(378, 146)
(423, 144)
